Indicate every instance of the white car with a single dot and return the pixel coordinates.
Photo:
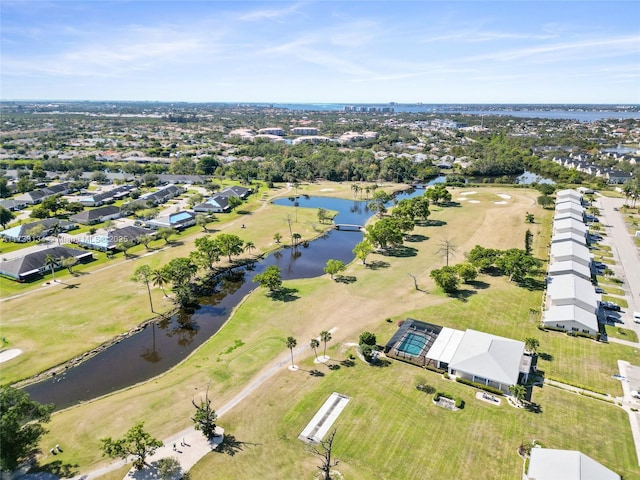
(635, 393)
(636, 317)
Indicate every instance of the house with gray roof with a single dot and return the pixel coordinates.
(551, 464)
(570, 252)
(489, 359)
(177, 220)
(236, 191)
(215, 204)
(571, 318)
(22, 233)
(33, 265)
(97, 215)
(571, 290)
(108, 240)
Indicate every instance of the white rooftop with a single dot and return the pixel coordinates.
(489, 356)
(551, 464)
(568, 267)
(563, 250)
(567, 224)
(568, 193)
(569, 286)
(568, 214)
(445, 345)
(568, 236)
(566, 313)
(571, 206)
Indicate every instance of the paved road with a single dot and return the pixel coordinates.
(627, 266)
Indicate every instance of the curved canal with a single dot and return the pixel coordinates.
(165, 343)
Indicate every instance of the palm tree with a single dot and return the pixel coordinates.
(325, 337)
(51, 262)
(69, 263)
(160, 278)
(291, 344)
(531, 344)
(143, 274)
(518, 392)
(314, 344)
(296, 238)
(248, 246)
(277, 237)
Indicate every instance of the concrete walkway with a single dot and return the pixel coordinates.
(628, 402)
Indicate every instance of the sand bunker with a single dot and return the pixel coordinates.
(500, 203)
(461, 199)
(327, 190)
(504, 195)
(474, 201)
(468, 193)
(7, 355)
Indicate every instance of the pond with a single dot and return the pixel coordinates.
(167, 342)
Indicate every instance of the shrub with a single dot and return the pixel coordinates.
(459, 402)
(436, 369)
(389, 320)
(367, 338)
(423, 387)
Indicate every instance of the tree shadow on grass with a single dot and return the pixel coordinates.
(345, 279)
(231, 445)
(533, 407)
(416, 237)
(285, 295)
(478, 284)
(333, 366)
(463, 295)
(547, 357)
(347, 363)
(436, 223)
(376, 265)
(316, 373)
(401, 251)
(57, 468)
(243, 212)
(532, 284)
(380, 362)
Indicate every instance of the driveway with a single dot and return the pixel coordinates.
(625, 252)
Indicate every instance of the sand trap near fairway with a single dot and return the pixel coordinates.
(461, 199)
(504, 195)
(500, 203)
(469, 193)
(7, 355)
(474, 201)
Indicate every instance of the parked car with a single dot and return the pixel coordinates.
(635, 394)
(599, 290)
(636, 317)
(611, 306)
(612, 319)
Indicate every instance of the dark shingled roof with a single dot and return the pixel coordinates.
(34, 263)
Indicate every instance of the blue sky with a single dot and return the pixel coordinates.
(322, 51)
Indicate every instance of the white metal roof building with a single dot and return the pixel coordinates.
(571, 225)
(570, 252)
(445, 346)
(568, 195)
(551, 464)
(568, 236)
(571, 318)
(571, 290)
(570, 267)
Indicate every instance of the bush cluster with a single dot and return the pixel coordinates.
(459, 403)
(481, 386)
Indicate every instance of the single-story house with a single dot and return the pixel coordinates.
(97, 215)
(568, 215)
(571, 318)
(568, 237)
(236, 191)
(36, 196)
(489, 359)
(162, 195)
(12, 204)
(569, 207)
(568, 195)
(570, 267)
(215, 204)
(570, 225)
(572, 290)
(100, 198)
(32, 265)
(570, 251)
(177, 220)
(551, 464)
(109, 240)
(22, 233)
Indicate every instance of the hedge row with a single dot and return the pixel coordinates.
(486, 388)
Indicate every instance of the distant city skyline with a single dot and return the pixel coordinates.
(526, 52)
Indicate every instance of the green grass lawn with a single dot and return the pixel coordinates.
(389, 430)
(622, 333)
(620, 301)
(388, 421)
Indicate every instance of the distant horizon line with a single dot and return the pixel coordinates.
(391, 103)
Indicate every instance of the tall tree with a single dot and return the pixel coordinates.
(528, 242)
(205, 417)
(21, 426)
(518, 392)
(314, 344)
(516, 263)
(51, 263)
(334, 266)
(166, 233)
(325, 336)
(447, 248)
(69, 263)
(324, 452)
(136, 442)
(6, 216)
(362, 250)
(144, 274)
(446, 278)
(271, 278)
(291, 344)
(207, 252)
(160, 278)
(229, 244)
(531, 344)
